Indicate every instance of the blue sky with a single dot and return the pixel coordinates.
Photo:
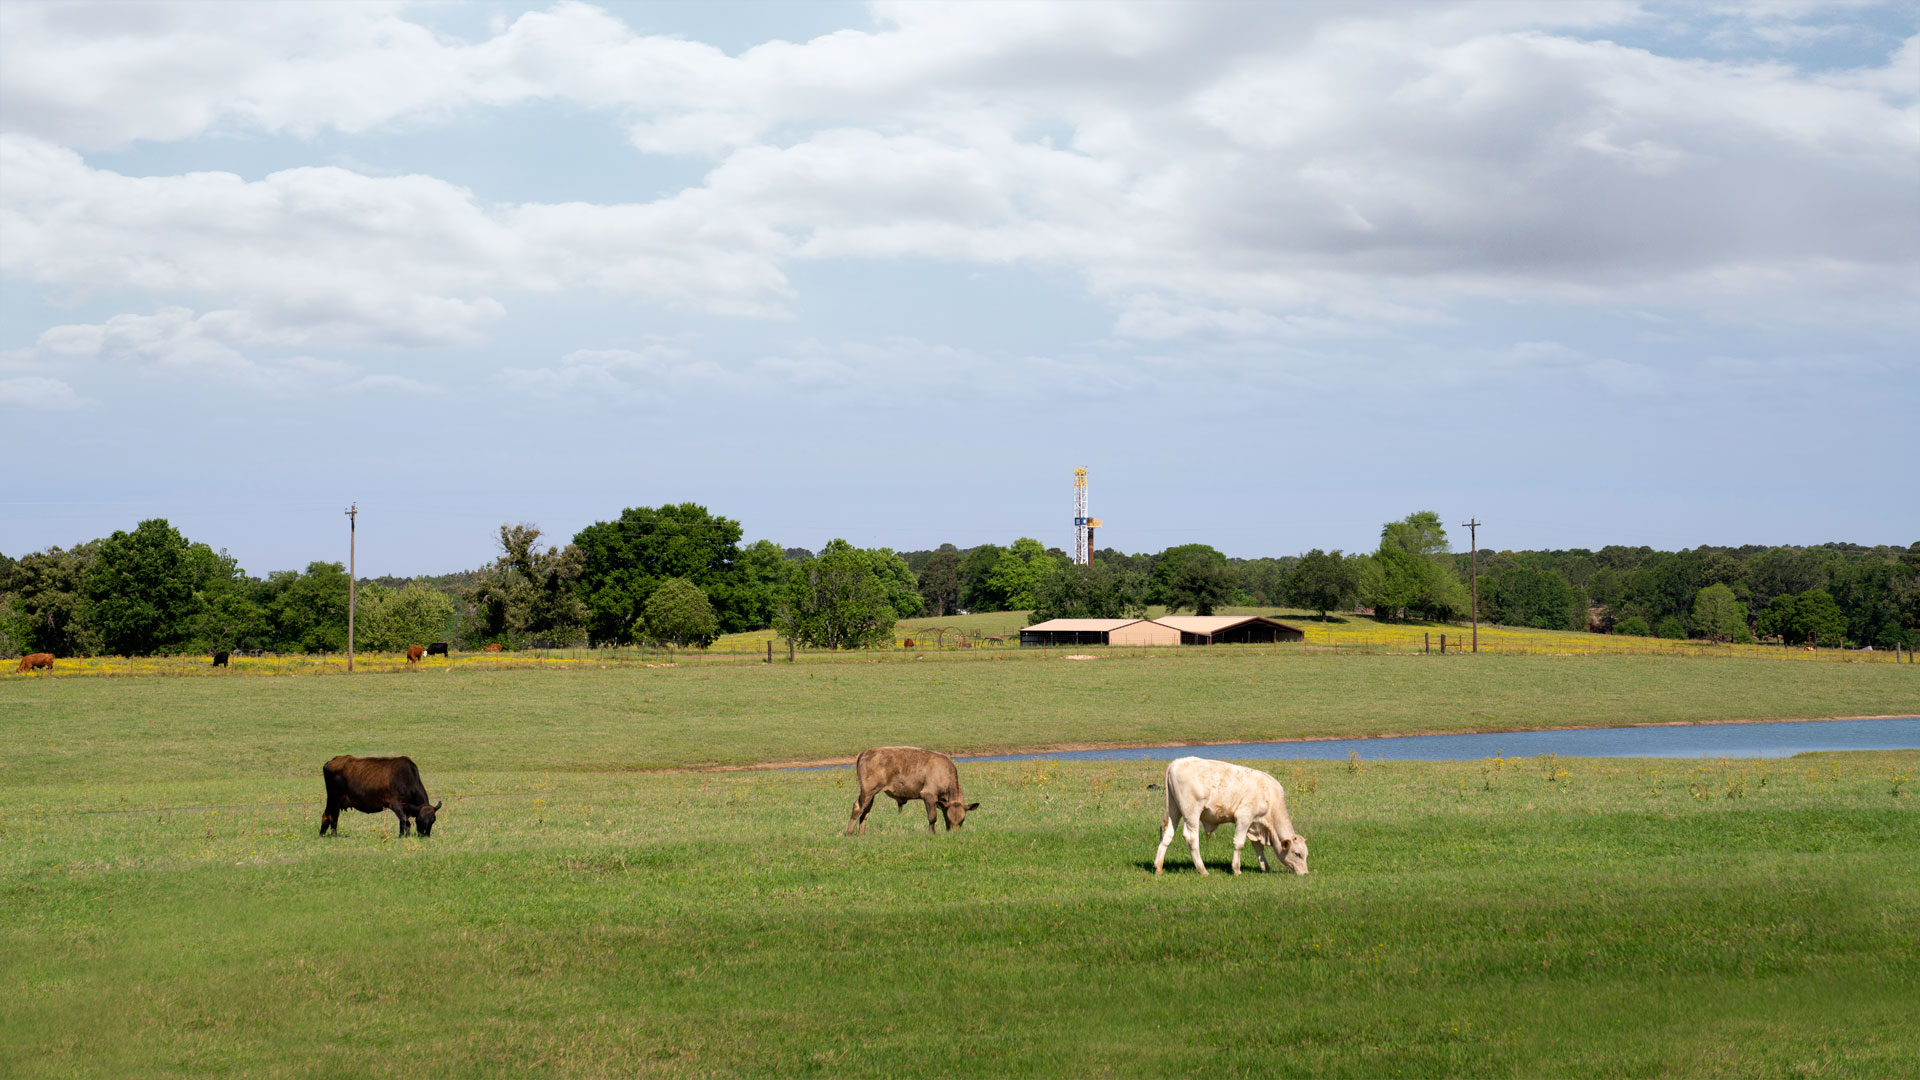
(1591, 273)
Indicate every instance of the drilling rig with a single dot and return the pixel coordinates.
(1083, 525)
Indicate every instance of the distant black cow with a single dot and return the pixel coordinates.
(373, 785)
(219, 659)
(437, 648)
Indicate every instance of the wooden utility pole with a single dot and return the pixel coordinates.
(353, 521)
(1473, 568)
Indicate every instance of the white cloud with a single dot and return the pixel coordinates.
(39, 392)
(1260, 172)
(173, 342)
(654, 371)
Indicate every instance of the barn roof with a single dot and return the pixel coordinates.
(1214, 624)
(1096, 625)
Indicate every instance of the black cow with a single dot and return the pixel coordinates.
(219, 659)
(373, 785)
(437, 648)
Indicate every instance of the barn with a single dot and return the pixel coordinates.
(1231, 629)
(1099, 632)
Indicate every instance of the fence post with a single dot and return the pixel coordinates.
(1443, 644)
(789, 650)
(769, 650)
(1426, 641)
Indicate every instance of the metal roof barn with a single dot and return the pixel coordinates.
(1099, 632)
(1231, 629)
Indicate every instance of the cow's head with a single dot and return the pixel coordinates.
(956, 812)
(423, 819)
(1293, 852)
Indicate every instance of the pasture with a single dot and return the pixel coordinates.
(588, 908)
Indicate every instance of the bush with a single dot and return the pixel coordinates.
(1671, 628)
(1633, 626)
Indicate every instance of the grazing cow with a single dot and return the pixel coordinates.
(374, 785)
(908, 772)
(437, 648)
(35, 660)
(414, 653)
(494, 647)
(1203, 794)
(220, 659)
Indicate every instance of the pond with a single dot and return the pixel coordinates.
(1773, 739)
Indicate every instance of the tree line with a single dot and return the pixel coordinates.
(680, 574)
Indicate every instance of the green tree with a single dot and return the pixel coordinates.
(1409, 571)
(528, 595)
(1809, 616)
(1323, 581)
(1264, 581)
(1017, 574)
(763, 570)
(1670, 627)
(1097, 591)
(940, 581)
(391, 620)
(1521, 595)
(678, 613)
(1192, 576)
(1633, 626)
(977, 592)
(1717, 616)
(142, 594)
(47, 602)
(839, 600)
(308, 610)
(624, 560)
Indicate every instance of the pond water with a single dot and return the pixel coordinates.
(1774, 739)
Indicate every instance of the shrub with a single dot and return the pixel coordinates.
(1633, 626)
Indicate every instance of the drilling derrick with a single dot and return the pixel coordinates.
(1083, 525)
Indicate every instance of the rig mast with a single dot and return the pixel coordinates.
(1083, 525)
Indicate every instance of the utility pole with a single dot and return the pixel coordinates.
(1473, 563)
(353, 521)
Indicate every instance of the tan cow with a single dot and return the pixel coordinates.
(494, 647)
(1202, 794)
(35, 660)
(414, 653)
(908, 772)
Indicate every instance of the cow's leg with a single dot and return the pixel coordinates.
(933, 812)
(330, 817)
(1239, 841)
(1260, 850)
(861, 805)
(1166, 838)
(406, 823)
(1192, 829)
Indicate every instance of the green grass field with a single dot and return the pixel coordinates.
(578, 912)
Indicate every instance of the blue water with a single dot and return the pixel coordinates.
(1778, 739)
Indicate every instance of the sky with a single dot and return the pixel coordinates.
(1588, 273)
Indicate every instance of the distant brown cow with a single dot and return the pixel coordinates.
(908, 772)
(35, 660)
(374, 785)
(414, 653)
(495, 647)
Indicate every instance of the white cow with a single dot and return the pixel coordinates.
(1203, 794)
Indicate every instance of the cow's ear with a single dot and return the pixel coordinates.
(973, 806)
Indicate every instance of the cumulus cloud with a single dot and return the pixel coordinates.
(39, 392)
(175, 342)
(1266, 172)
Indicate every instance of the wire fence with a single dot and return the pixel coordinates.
(964, 645)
